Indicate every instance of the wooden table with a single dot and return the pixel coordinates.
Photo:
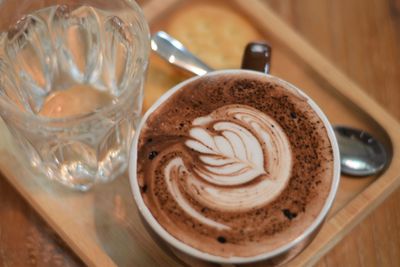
(362, 37)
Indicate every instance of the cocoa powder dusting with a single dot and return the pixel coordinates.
(167, 129)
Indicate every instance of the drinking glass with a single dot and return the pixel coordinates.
(48, 47)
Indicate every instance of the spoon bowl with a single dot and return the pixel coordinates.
(360, 153)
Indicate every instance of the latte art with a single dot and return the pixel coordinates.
(234, 165)
(175, 170)
(243, 147)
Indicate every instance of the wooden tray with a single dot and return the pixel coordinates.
(103, 226)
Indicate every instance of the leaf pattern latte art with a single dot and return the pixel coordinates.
(244, 162)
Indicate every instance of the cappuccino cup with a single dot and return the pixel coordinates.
(234, 167)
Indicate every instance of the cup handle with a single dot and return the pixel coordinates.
(257, 56)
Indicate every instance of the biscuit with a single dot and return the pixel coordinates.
(217, 34)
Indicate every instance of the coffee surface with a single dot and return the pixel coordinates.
(235, 164)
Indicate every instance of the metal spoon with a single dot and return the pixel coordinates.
(361, 154)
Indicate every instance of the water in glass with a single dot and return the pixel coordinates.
(72, 80)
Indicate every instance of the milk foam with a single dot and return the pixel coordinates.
(245, 162)
(235, 165)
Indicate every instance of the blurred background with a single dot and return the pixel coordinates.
(361, 37)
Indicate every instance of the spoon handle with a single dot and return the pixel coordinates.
(175, 53)
(257, 55)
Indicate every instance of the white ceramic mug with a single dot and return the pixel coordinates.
(276, 256)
